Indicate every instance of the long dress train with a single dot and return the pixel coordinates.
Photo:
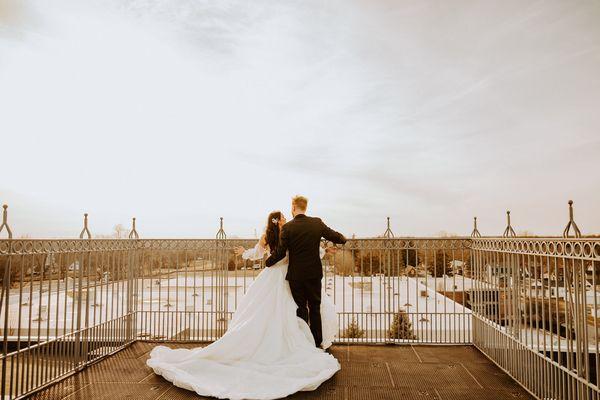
(267, 351)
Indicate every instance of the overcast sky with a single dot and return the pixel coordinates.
(179, 112)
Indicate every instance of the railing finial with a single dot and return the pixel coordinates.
(221, 232)
(388, 232)
(509, 231)
(133, 234)
(85, 230)
(475, 233)
(5, 221)
(571, 223)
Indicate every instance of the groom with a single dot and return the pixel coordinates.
(302, 237)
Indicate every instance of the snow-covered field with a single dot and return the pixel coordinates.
(370, 301)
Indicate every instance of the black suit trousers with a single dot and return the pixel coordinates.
(307, 295)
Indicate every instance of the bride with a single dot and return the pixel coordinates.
(267, 351)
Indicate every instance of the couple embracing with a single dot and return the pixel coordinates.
(275, 341)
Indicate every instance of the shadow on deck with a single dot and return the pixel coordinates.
(368, 372)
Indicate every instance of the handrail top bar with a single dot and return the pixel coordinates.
(397, 238)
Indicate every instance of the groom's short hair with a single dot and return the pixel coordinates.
(300, 202)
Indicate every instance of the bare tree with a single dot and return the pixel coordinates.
(525, 233)
(120, 231)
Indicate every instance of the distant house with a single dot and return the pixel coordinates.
(457, 267)
(592, 274)
(74, 267)
(50, 263)
(538, 287)
(498, 274)
(456, 288)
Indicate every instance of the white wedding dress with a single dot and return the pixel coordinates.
(267, 351)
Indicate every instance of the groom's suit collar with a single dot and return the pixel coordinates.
(298, 216)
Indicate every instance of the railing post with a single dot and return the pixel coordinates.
(5, 221)
(221, 235)
(571, 223)
(133, 234)
(80, 345)
(509, 231)
(132, 283)
(474, 266)
(475, 233)
(387, 296)
(575, 300)
(85, 230)
(4, 298)
(388, 232)
(222, 283)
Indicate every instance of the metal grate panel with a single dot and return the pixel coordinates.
(450, 354)
(431, 375)
(490, 376)
(356, 380)
(116, 370)
(175, 393)
(356, 393)
(365, 374)
(325, 392)
(136, 350)
(391, 353)
(340, 352)
(61, 389)
(479, 394)
(112, 391)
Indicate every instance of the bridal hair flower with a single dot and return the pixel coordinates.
(275, 220)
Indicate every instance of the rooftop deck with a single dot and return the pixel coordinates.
(529, 304)
(368, 372)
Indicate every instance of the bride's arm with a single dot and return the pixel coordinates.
(255, 253)
(322, 252)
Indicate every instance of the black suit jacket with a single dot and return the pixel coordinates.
(302, 237)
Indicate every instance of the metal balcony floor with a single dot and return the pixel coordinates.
(368, 373)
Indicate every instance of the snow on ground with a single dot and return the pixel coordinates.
(370, 301)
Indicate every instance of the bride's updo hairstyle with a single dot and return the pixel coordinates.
(272, 232)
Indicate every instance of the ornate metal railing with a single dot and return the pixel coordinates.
(68, 303)
(531, 305)
(65, 304)
(403, 290)
(536, 311)
(370, 282)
